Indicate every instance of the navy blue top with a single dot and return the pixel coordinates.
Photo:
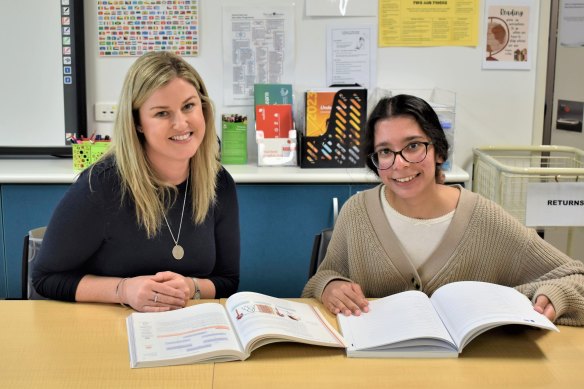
(91, 232)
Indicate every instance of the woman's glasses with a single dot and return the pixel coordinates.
(414, 152)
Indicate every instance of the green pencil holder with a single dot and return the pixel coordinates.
(86, 153)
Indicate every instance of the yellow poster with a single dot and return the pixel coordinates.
(428, 23)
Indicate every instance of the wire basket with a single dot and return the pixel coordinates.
(502, 173)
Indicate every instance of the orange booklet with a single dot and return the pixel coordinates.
(335, 125)
(318, 111)
(274, 120)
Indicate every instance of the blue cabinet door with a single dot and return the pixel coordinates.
(278, 225)
(361, 187)
(24, 207)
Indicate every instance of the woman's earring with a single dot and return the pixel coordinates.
(139, 128)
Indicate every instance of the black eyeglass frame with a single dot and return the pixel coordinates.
(396, 153)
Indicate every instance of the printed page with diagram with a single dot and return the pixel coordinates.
(199, 333)
(259, 319)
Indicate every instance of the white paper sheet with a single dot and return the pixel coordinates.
(351, 53)
(572, 23)
(258, 48)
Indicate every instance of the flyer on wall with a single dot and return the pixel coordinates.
(509, 35)
(428, 23)
(351, 53)
(571, 23)
(258, 48)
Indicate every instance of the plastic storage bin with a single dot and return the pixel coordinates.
(86, 153)
(502, 173)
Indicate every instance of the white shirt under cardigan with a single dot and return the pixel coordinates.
(411, 232)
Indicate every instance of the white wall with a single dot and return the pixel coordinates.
(494, 107)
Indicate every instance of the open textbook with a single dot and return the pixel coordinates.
(212, 332)
(411, 325)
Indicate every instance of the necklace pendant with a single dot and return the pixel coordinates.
(178, 252)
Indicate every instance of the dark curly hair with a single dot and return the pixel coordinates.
(410, 106)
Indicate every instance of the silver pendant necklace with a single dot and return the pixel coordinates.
(177, 251)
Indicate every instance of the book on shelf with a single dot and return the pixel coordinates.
(412, 325)
(268, 94)
(211, 332)
(275, 135)
(234, 139)
(274, 124)
(345, 105)
(319, 105)
(275, 121)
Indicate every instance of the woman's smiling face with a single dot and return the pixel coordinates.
(405, 179)
(173, 123)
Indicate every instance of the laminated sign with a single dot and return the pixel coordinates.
(555, 204)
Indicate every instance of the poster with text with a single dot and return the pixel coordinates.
(571, 23)
(351, 53)
(258, 48)
(508, 35)
(425, 23)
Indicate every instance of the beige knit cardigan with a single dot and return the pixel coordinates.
(482, 243)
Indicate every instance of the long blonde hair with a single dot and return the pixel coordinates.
(151, 196)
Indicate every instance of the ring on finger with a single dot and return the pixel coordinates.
(155, 297)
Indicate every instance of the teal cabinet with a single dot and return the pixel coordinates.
(278, 223)
(24, 207)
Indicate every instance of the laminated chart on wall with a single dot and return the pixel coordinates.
(335, 140)
(428, 23)
(135, 27)
(258, 48)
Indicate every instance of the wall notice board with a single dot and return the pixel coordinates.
(492, 106)
(43, 77)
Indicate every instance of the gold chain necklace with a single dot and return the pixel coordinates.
(178, 252)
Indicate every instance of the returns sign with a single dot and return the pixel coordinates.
(555, 204)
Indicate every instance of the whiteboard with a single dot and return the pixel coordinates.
(32, 111)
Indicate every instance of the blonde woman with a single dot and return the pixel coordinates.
(155, 222)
